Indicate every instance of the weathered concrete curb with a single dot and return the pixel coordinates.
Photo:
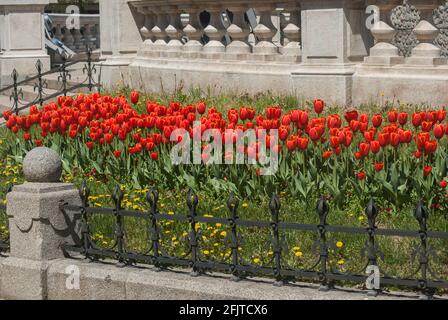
(107, 281)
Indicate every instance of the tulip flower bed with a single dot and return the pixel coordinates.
(396, 157)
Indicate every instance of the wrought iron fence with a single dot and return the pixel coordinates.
(40, 83)
(427, 282)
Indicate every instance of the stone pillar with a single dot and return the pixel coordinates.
(38, 226)
(22, 38)
(334, 39)
(120, 39)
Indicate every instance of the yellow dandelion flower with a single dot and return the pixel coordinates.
(298, 254)
(223, 233)
(206, 252)
(218, 225)
(256, 260)
(296, 249)
(171, 213)
(339, 244)
(341, 262)
(244, 205)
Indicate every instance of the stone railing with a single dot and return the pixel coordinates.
(235, 30)
(332, 49)
(74, 38)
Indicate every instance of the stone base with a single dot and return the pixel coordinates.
(426, 61)
(23, 279)
(114, 71)
(223, 74)
(404, 83)
(332, 84)
(383, 60)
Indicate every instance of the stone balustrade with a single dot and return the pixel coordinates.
(210, 30)
(77, 39)
(339, 50)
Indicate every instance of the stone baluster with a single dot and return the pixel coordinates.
(238, 31)
(159, 29)
(174, 29)
(97, 36)
(69, 40)
(265, 31)
(426, 53)
(194, 31)
(77, 36)
(58, 31)
(146, 29)
(292, 33)
(384, 52)
(88, 35)
(215, 30)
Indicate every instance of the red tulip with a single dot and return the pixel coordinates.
(416, 119)
(302, 143)
(439, 131)
(402, 118)
(377, 120)
(392, 116)
(351, 115)
(201, 107)
(379, 166)
(291, 145)
(154, 156)
(327, 154)
(135, 96)
(117, 153)
(361, 175)
(319, 106)
(443, 184)
(26, 136)
(375, 147)
(38, 142)
(427, 170)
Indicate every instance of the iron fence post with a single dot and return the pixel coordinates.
(372, 213)
(15, 92)
(233, 204)
(117, 197)
(192, 203)
(64, 76)
(40, 83)
(84, 193)
(422, 215)
(323, 210)
(153, 197)
(274, 206)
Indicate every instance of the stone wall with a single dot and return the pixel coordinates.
(307, 48)
(22, 38)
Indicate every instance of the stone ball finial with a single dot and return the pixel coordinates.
(42, 165)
